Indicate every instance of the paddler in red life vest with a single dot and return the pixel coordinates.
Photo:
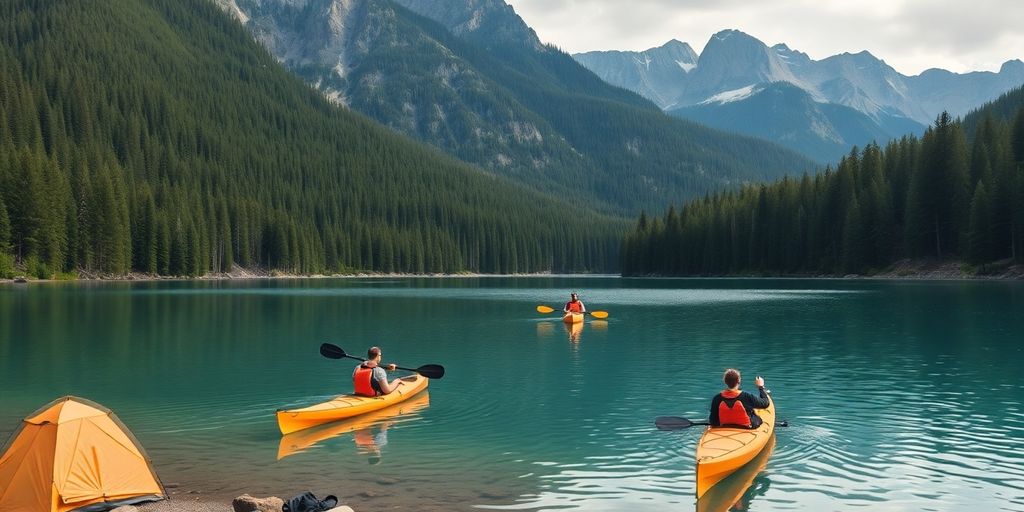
(370, 379)
(575, 305)
(735, 408)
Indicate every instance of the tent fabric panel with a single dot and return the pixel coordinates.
(53, 412)
(48, 414)
(117, 433)
(100, 465)
(73, 410)
(142, 452)
(26, 470)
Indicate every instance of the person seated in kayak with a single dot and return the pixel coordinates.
(575, 305)
(370, 379)
(735, 408)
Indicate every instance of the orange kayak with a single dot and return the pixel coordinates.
(573, 318)
(722, 450)
(347, 406)
(733, 488)
(297, 442)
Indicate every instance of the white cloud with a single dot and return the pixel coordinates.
(910, 35)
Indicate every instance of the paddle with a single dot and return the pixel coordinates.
(596, 314)
(677, 423)
(430, 371)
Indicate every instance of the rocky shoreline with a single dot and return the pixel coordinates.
(189, 503)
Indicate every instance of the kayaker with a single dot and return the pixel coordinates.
(735, 408)
(370, 379)
(575, 305)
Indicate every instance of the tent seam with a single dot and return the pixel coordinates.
(78, 436)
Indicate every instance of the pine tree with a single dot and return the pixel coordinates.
(5, 228)
(980, 235)
(1017, 136)
(853, 238)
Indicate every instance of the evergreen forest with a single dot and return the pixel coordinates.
(950, 195)
(156, 136)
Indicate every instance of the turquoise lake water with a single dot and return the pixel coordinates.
(900, 396)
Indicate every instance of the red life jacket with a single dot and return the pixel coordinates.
(574, 307)
(362, 381)
(731, 411)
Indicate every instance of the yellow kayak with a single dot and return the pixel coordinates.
(297, 442)
(722, 450)
(347, 406)
(573, 318)
(732, 489)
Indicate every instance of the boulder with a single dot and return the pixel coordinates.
(246, 503)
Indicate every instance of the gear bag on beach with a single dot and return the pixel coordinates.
(308, 502)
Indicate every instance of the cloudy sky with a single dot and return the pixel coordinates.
(909, 35)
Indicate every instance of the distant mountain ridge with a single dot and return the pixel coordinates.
(472, 79)
(789, 115)
(734, 63)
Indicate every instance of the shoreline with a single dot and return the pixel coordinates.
(260, 275)
(903, 270)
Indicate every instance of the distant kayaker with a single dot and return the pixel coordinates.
(575, 305)
(370, 378)
(735, 408)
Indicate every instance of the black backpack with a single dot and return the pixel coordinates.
(308, 502)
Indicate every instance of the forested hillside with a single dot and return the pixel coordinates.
(937, 198)
(494, 96)
(157, 136)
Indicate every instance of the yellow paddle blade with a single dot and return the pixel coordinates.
(545, 309)
(599, 314)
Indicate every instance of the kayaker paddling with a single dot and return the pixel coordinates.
(735, 408)
(370, 378)
(575, 305)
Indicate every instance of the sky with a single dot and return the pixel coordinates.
(909, 35)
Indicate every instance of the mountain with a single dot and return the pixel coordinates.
(472, 79)
(158, 136)
(789, 115)
(733, 63)
(648, 73)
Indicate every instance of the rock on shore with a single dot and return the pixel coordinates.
(243, 503)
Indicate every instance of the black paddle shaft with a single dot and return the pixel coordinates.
(430, 371)
(678, 423)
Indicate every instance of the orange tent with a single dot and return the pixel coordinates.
(74, 455)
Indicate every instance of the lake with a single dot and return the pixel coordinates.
(899, 395)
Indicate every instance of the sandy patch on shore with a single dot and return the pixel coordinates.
(186, 504)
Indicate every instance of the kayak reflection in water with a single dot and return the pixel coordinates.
(735, 408)
(574, 330)
(369, 377)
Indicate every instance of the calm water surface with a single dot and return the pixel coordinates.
(900, 396)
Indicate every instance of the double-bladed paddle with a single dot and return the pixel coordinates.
(677, 423)
(596, 314)
(430, 371)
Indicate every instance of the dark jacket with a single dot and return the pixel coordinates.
(749, 401)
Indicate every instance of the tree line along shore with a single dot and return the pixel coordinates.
(914, 204)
